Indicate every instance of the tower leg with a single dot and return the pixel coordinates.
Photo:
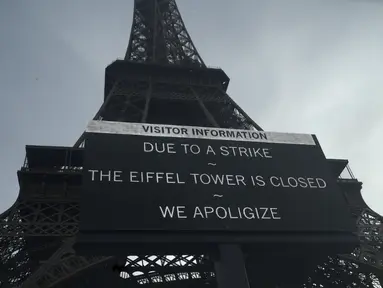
(230, 268)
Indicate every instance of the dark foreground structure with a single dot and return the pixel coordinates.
(163, 80)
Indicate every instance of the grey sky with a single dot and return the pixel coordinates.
(295, 66)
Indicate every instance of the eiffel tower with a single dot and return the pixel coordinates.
(161, 80)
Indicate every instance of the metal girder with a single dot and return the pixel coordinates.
(364, 264)
(14, 264)
(60, 266)
(159, 35)
(41, 218)
(339, 272)
(151, 269)
(144, 269)
(370, 232)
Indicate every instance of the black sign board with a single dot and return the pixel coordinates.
(142, 177)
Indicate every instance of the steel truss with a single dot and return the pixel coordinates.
(159, 35)
(37, 233)
(364, 266)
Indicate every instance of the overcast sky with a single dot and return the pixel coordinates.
(295, 66)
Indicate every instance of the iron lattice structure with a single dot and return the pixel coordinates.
(164, 80)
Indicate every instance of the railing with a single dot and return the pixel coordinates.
(207, 66)
(55, 169)
(53, 159)
(347, 174)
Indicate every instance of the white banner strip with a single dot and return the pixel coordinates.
(159, 130)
